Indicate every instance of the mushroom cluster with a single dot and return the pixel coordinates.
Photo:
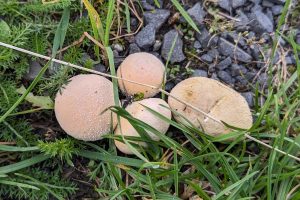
(81, 107)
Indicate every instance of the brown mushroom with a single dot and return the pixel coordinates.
(215, 99)
(79, 106)
(137, 110)
(142, 68)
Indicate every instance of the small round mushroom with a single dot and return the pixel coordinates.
(137, 110)
(142, 68)
(215, 99)
(80, 104)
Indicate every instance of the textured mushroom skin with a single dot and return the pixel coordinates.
(142, 68)
(215, 99)
(79, 104)
(137, 110)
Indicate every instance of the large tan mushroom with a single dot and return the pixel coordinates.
(215, 99)
(79, 106)
(142, 68)
(137, 110)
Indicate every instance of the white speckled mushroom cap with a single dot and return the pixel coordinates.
(143, 68)
(79, 104)
(140, 112)
(215, 99)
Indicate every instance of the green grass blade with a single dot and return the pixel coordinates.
(23, 164)
(17, 184)
(60, 34)
(185, 15)
(17, 149)
(31, 86)
(236, 184)
(109, 19)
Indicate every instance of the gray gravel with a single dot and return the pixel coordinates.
(249, 98)
(224, 64)
(225, 76)
(177, 54)
(34, 69)
(134, 48)
(146, 37)
(157, 17)
(226, 48)
(199, 73)
(260, 22)
(197, 13)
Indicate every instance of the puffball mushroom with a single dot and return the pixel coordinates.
(80, 104)
(215, 99)
(138, 111)
(142, 68)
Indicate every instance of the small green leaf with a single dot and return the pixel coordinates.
(44, 102)
(5, 30)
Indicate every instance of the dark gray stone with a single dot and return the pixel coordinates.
(211, 68)
(146, 37)
(238, 3)
(118, 47)
(199, 73)
(228, 49)
(34, 69)
(278, 1)
(249, 98)
(267, 3)
(237, 70)
(206, 58)
(298, 38)
(250, 75)
(197, 13)
(134, 48)
(133, 21)
(146, 5)
(290, 60)
(255, 51)
(118, 61)
(157, 17)
(224, 64)
(152, 2)
(236, 38)
(251, 35)
(203, 37)
(260, 22)
(215, 76)
(263, 79)
(157, 45)
(99, 67)
(85, 57)
(214, 53)
(197, 44)
(225, 76)
(269, 13)
(277, 10)
(241, 81)
(243, 21)
(225, 4)
(169, 86)
(177, 54)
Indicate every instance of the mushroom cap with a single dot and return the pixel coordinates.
(137, 110)
(79, 106)
(215, 99)
(142, 68)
